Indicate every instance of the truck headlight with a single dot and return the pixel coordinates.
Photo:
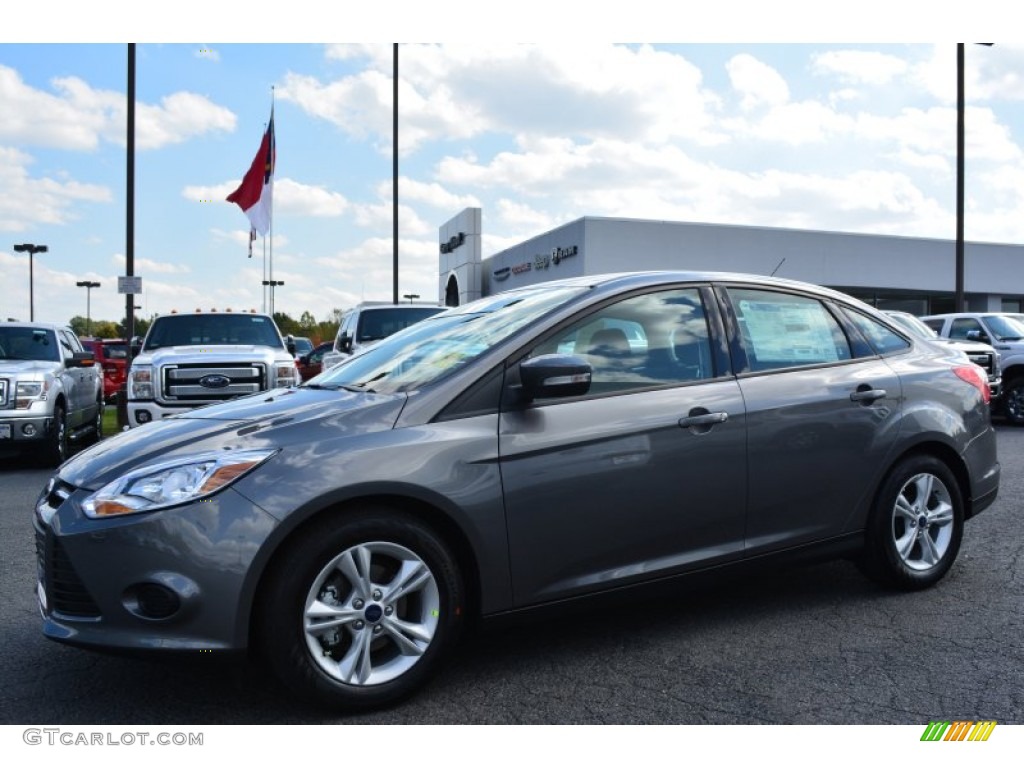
(158, 486)
(27, 392)
(140, 382)
(286, 374)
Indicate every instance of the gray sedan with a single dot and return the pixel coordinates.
(580, 438)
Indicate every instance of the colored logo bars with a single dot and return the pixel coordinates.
(959, 730)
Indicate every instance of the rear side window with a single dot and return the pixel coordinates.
(783, 330)
(881, 338)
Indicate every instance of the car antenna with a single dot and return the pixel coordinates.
(777, 267)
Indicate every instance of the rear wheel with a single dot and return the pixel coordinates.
(1013, 401)
(916, 525)
(360, 612)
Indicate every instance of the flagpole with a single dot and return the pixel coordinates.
(273, 152)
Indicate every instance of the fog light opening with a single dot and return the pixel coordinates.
(29, 430)
(152, 601)
(143, 417)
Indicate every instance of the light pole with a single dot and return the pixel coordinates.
(410, 296)
(31, 249)
(958, 298)
(88, 285)
(273, 284)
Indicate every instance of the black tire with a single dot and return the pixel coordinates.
(55, 450)
(1013, 401)
(349, 656)
(916, 525)
(97, 424)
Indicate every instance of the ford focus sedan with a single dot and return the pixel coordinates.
(553, 443)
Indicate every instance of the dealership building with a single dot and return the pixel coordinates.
(917, 275)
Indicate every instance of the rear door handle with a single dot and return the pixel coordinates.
(865, 394)
(700, 420)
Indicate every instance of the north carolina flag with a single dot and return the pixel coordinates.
(255, 194)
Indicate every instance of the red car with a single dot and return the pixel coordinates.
(112, 356)
(311, 363)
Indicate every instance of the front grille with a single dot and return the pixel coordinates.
(986, 360)
(198, 384)
(65, 593)
(3, 392)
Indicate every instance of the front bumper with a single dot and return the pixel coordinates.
(169, 580)
(16, 430)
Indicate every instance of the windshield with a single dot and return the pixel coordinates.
(1005, 328)
(436, 347)
(219, 329)
(377, 324)
(28, 344)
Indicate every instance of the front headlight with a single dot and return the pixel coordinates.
(27, 392)
(165, 485)
(140, 382)
(286, 374)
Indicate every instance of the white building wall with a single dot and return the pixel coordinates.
(460, 255)
(827, 258)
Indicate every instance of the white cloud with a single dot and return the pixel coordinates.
(27, 202)
(78, 117)
(291, 198)
(758, 84)
(857, 67)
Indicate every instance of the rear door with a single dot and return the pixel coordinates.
(822, 413)
(646, 475)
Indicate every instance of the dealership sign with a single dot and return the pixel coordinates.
(540, 261)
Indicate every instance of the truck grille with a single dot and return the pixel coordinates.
(986, 360)
(198, 384)
(3, 392)
(65, 592)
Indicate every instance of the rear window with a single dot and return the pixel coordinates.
(377, 324)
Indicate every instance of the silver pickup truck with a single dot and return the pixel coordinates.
(51, 391)
(201, 358)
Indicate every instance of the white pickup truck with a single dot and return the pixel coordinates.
(1005, 332)
(51, 391)
(199, 358)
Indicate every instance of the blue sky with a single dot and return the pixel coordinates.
(830, 136)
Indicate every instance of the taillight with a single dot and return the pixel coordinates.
(974, 375)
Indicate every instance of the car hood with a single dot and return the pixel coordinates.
(242, 353)
(22, 367)
(274, 419)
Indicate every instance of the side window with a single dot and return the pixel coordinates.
(651, 340)
(882, 339)
(782, 330)
(68, 344)
(961, 326)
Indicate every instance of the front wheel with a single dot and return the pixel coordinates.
(55, 449)
(360, 611)
(916, 525)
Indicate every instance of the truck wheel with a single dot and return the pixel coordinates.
(915, 527)
(1013, 401)
(56, 448)
(361, 611)
(97, 423)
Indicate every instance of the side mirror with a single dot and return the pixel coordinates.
(554, 376)
(81, 360)
(345, 343)
(977, 336)
(136, 346)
